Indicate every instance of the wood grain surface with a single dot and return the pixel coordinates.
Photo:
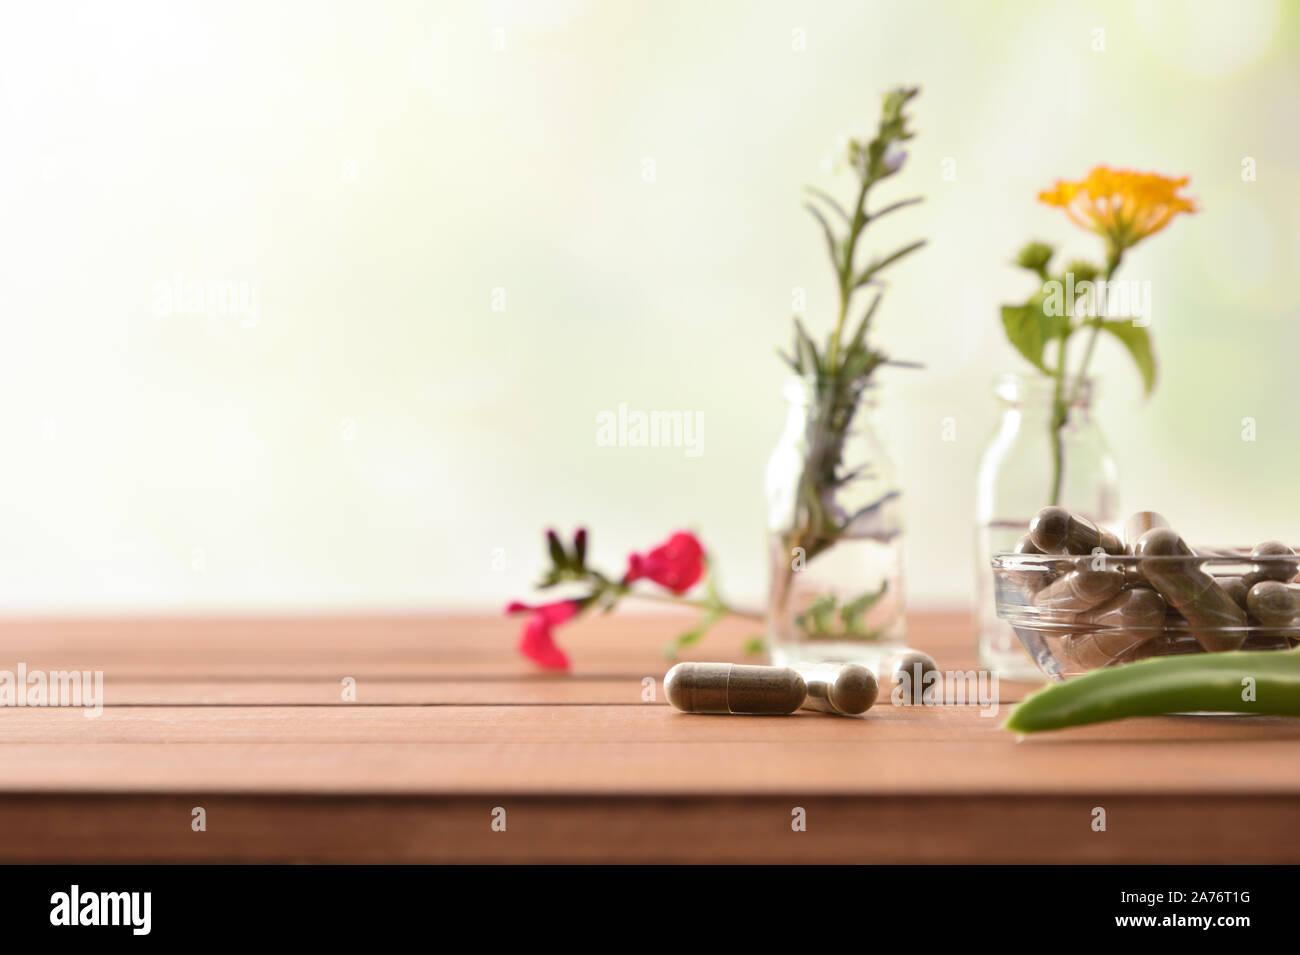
(246, 718)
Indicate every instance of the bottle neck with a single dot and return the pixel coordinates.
(1035, 397)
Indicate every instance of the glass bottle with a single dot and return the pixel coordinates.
(835, 535)
(1015, 480)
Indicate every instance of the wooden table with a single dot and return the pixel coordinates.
(245, 719)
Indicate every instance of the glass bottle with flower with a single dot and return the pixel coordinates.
(834, 514)
(1048, 448)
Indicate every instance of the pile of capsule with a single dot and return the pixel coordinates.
(1110, 609)
(847, 689)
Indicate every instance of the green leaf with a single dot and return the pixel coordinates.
(1027, 330)
(827, 198)
(831, 245)
(851, 613)
(1137, 340)
(558, 557)
(870, 271)
(753, 646)
(820, 613)
(859, 339)
(1035, 257)
(806, 350)
(894, 207)
(859, 363)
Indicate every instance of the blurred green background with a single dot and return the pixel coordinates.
(447, 260)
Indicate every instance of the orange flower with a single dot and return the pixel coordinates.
(1121, 205)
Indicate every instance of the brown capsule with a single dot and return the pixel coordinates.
(1235, 588)
(1035, 579)
(909, 677)
(1092, 651)
(1110, 543)
(1079, 590)
(1166, 645)
(1214, 618)
(1266, 640)
(1026, 545)
(1274, 603)
(1056, 531)
(1124, 623)
(734, 688)
(1276, 569)
(1138, 524)
(846, 690)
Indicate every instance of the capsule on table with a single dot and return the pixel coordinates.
(734, 688)
(846, 690)
(1138, 524)
(1274, 603)
(1125, 622)
(1079, 590)
(909, 677)
(1057, 531)
(1278, 568)
(1213, 617)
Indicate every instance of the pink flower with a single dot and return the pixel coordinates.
(677, 564)
(537, 642)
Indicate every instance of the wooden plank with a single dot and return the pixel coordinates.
(901, 765)
(752, 828)
(373, 691)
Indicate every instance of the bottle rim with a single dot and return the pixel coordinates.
(1016, 388)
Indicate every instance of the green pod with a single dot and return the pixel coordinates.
(1196, 683)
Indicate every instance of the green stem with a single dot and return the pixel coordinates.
(1060, 406)
(845, 271)
(698, 604)
(1112, 265)
(1058, 420)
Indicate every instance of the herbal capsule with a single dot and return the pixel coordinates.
(1138, 524)
(1280, 570)
(1234, 587)
(1079, 590)
(1124, 623)
(1266, 640)
(1033, 580)
(1215, 619)
(734, 688)
(1274, 603)
(909, 679)
(1055, 530)
(846, 690)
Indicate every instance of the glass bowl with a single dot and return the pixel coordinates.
(1077, 613)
